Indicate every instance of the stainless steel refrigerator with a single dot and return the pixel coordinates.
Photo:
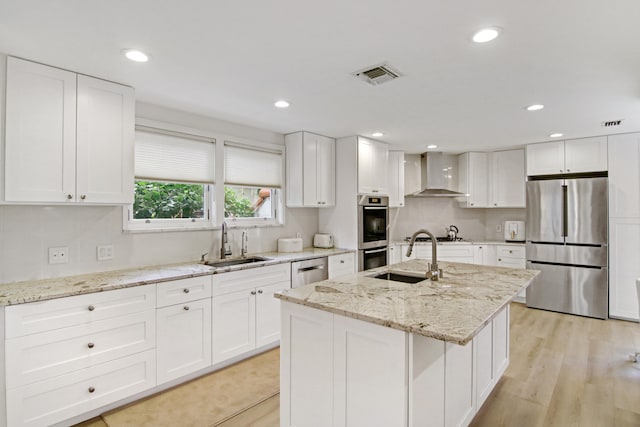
(567, 240)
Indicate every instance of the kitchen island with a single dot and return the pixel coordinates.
(364, 351)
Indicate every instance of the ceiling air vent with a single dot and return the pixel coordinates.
(611, 123)
(377, 74)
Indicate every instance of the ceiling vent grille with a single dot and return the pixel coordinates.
(377, 74)
(611, 123)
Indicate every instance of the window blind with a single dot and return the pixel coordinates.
(169, 156)
(252, 167)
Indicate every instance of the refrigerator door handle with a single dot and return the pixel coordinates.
(565, 213)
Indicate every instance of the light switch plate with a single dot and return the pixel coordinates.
(499, 228)
(104, 252)
(59, 255)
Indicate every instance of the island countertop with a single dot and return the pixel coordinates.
(453, 309)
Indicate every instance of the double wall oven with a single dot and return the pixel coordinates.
(373, 224)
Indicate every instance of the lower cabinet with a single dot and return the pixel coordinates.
(624, 268)
(341, 265)
(512, 256)
(394, 255)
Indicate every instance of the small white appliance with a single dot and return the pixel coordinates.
(514, 231)
(323, 241)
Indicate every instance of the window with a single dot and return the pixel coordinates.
(174, 178)
(253, 178)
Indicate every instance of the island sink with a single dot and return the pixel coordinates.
(237, 261)
(397, 277)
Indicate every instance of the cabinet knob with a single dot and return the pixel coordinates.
(91, 308)
(561, 170)
(92, 389)
(401, 204)
(342, 261)
(69, 196)
(510, 252)
(471, 204)
(84, 196)
(90, 345)
(186, 308)
(495, 204)
(185, 290)
(499, 259)
(253, 292)
(319, 203)
(260, 291)
(568, 170)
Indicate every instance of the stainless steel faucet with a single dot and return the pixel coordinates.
(433, 273)
(225, 248)
(243, 246)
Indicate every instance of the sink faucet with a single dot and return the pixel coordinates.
(243, 245)
(225, 248)
(433, 273)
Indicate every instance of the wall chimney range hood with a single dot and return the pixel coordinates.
(438, 176)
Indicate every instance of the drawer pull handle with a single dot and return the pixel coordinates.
(84, 196)
(91, 345)
(499, 259)
(253, 292)
(342, 261)
(260, 291)
(92, 389)
(185, 290)
(186, 308)
(91, 308)
(69, 197)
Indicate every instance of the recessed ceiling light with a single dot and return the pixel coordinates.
(555, 135)
(486, 35)
(281, 104)
(432, 146)
(535, 107)
(377, 134)
(136, 55)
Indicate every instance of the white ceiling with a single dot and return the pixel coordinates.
(232, 59)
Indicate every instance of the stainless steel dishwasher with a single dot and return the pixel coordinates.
(309, 271)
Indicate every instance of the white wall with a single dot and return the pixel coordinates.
(435, 214)
(26, 232)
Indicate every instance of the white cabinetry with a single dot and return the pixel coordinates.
(310, 169)
(570, 156)
(396, 179)
(395, 254)
(69, 138)
(245, 313)
(507, 179)
(624, 176)
(184, 327)
(512, 256)
(373, 167)
(71, 355)
(492, 180)
(341, 265)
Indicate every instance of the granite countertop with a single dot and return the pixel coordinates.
(453, 309)
(44, 289)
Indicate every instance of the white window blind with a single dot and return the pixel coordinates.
(175, 157)
(253, 167)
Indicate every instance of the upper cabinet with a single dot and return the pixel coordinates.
(69, 138)
(570, 156)
(310, 169)
(492, 180)
(396, 179)
(373, 167)
(624, 176)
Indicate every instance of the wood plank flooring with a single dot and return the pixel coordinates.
(564, 371)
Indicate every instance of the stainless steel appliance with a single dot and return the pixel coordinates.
(309, 271)
(373, 224)
(567, 240)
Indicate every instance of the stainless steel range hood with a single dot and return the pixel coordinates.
(438, 176)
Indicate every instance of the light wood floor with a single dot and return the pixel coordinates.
(564, 371)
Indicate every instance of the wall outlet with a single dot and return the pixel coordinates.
(59, 255)
(499, 228)
(104, 252)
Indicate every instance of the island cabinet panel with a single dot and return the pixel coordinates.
(485, 372)
(426, 381)
(368, 391)
(306, 367)
(459, 393)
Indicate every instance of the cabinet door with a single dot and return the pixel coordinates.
(40, 164)
(233, 324)
(184, 339)
(105, 150)
(459, 393)
(508, 179)
(268, 313)
(474, 179)
(546, 158)
(624, 269)
(342, 265)
(585, 154)
(395, 254)
(624, 175)
(500, 326)
(485, 374)
(396, 179)
(326, 171)
(366, 156)
(381, 168)
(479, 254)
(310, 169)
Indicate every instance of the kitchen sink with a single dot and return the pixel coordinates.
(397, 277)
(236, 261)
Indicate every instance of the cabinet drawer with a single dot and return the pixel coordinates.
(510, 252)
(341, 265)
(179, 291)
(60, 398)
(235, 281)
(53, 314)
(455, 251)
(511, 262)
(36, 357)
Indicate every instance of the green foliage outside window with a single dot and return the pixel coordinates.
(236, 205)
(156, 200)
